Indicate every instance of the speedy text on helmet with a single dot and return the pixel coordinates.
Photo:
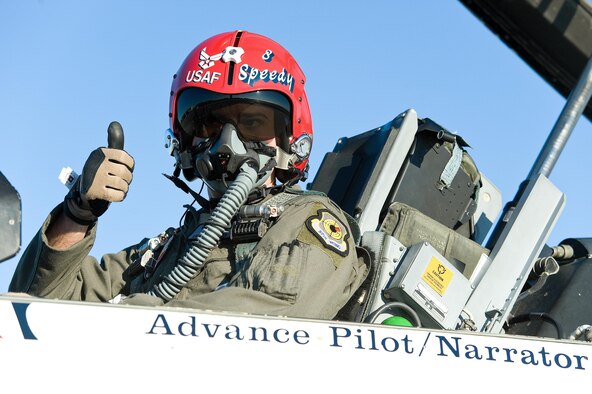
(251, 75)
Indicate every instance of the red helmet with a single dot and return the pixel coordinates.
(236, 65)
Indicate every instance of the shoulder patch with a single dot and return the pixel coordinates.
(330, 231)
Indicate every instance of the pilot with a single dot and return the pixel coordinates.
(240, 123)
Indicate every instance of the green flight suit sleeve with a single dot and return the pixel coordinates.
(69, 274)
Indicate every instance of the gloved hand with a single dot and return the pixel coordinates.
(105, 178)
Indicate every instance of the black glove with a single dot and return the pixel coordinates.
(105, 178)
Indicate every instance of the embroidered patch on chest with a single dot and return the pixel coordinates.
(329, 230)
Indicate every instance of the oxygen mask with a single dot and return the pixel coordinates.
(218, 160)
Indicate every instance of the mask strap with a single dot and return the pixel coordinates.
(183, 186)
(283, 159)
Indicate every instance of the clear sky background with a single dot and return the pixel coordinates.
(68, 68)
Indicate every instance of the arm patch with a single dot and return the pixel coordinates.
(329, 230)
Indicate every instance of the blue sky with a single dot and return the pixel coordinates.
(69, 68)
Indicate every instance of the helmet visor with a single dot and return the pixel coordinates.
(258, 116)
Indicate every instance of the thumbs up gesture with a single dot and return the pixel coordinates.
(105, 178)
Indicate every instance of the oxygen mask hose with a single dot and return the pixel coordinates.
(193, 260)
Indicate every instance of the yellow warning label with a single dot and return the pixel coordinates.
(437, 275)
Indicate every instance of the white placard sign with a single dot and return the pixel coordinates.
(84, 347)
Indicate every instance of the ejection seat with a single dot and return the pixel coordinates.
(408, 182)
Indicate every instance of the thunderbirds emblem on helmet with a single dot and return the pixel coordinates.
(230, 54)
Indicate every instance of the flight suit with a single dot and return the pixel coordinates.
(305, 265)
